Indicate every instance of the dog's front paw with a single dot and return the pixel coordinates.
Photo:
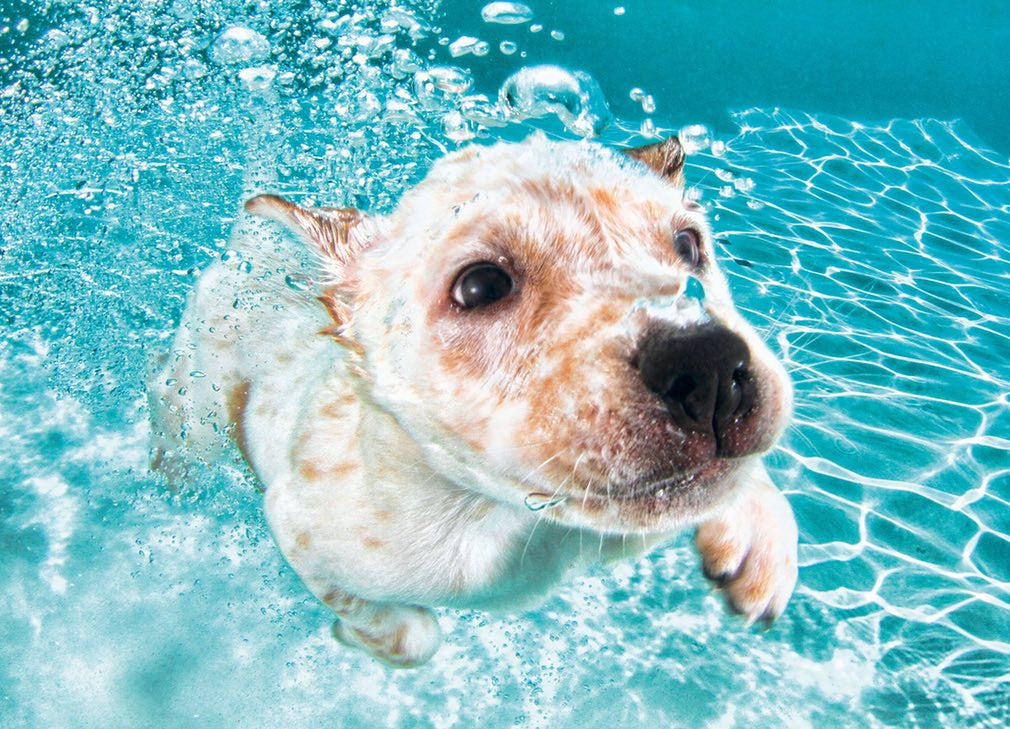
(403, 637)
(749, 550)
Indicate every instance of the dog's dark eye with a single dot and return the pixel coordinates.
(687, 243)
(480, 285)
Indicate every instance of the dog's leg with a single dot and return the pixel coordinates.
(402, 636)
(749, 549)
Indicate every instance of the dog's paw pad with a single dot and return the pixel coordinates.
(750, 552)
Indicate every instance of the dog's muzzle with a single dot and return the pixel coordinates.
(702, 375)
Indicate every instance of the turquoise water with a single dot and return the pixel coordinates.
(872, 254)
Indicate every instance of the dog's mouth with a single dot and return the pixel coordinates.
(644, 504)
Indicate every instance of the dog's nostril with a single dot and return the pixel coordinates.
(682, 387)
(731, 403)
(701, 374)
(743, 385)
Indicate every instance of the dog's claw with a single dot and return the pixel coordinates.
(749, 552)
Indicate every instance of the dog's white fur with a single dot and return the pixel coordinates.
(415, 454)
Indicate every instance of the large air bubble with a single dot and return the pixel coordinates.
(574, 97)
(506, 13)
(239, 44)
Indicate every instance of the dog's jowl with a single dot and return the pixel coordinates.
(535, 351)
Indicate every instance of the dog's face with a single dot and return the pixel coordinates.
(548, 322)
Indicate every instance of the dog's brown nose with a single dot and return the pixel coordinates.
(701, 375)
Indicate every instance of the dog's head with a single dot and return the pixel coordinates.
(547, 321)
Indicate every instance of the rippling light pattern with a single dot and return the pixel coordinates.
(874, 257)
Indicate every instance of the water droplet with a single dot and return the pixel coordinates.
(508, 47)
(506, 13)
(22, 25)
(239, 44)
(536, 501)
(298, 281)
(573, 96)
(197, 374)
(245, 267)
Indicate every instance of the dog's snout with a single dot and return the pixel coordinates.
(701, 374)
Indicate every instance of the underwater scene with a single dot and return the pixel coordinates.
(869, 245)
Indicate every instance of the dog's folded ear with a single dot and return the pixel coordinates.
(331, 230)
(665, 158)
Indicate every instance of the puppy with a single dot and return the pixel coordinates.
(533, 363)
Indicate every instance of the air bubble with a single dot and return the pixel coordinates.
(449, 79)
(456, 127)
(466, 44)
(239, 44)
(506, 13)
(574, 97)
(557, 35)
(478, 108)
(298, 281)
(536, 28)
(537, 501)
(257, 78)
(695, 138)
(434, 87)
(508, 47)
(743, 184)
(619, 10)
(193, 69)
